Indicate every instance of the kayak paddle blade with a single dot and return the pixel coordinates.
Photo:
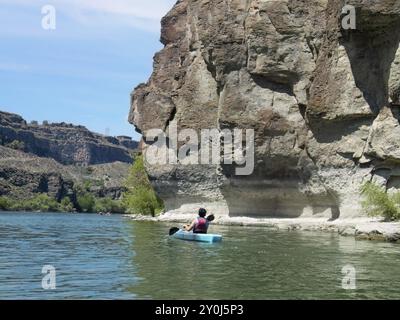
(211, 218)
(172, 231)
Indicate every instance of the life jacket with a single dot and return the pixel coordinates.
(201, 226)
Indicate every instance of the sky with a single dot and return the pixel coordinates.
(83, 71)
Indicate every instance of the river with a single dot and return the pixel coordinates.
(98, 257)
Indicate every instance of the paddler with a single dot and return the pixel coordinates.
(200, 224)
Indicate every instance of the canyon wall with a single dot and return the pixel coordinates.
(58, 158)
(65, 143)
(24, 176)
(323, 102)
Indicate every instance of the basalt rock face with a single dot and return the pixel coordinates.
(65, 143)
(23, 175)
(323, 101)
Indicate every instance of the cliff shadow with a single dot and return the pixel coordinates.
(335, 130)
(371, 49)
(276, 199)
(266, 82)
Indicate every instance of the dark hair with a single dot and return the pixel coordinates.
(211, 218)
(202, 212)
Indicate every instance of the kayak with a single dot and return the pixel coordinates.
(190, 236)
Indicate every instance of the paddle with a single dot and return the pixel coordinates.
(172, 231)
(211, 218)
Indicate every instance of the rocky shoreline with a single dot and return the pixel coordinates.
(361, 228)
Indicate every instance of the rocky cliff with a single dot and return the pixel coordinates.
(65, 143)
(58, 159)
(23, 175)
(323, 101)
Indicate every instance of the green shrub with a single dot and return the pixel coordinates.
(108, 205)
(87, 185)
(377, 202)
(14, 204)
(16, 145)
(102, 205)
(5, 203)
(86, 202)
(118, 207)
(67, 205)
(142, 201)
(140, 197)
(42, 203)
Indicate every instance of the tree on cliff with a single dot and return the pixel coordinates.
(140, 197)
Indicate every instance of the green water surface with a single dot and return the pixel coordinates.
(99, 257)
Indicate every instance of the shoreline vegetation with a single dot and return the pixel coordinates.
(139, 201)
(138, 197)
(85, 203)
(379, 202)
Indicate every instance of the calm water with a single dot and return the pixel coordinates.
(114, 258)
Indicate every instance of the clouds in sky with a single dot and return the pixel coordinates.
(153, 9)
(139, 14)
(82, 72)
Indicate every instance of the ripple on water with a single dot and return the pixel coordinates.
(115, 258)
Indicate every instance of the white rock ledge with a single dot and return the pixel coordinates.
(361, 228)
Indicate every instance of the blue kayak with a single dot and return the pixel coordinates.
(190, 236)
